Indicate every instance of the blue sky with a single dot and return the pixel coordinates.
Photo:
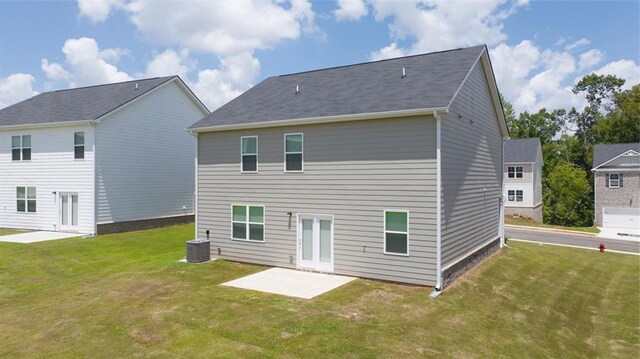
(539, 49)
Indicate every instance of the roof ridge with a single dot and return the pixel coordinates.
(109, 84)
(378, 61)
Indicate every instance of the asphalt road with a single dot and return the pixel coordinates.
(572, 239)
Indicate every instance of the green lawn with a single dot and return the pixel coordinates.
(127, 296)
(7, 231)
(530, 223)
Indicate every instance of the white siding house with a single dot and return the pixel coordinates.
(99, 159)
(523, 178)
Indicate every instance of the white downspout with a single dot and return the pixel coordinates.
(195, 197)
(502, 199)
(438, 204)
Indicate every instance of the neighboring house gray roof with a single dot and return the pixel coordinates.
(78, 104)
(604, 153)
(431, 81)
(521, 150)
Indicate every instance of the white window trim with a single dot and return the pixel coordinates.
(509, 195)
(84, 148)
(521, 172)
(242, 155)
(293, 153)
(510, 173)
(617, 180)
(26, 200)
(384, 233)
(22, 148)
(248, 222)
(521, 195)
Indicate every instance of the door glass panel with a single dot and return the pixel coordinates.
(74, 210)
(307, 239)
(65, 210)
(325, 241)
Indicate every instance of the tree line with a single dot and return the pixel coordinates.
(612, 115)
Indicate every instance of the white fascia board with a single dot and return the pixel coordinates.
(47, 124)
(625, 153)
(616, 169)
(322, 119)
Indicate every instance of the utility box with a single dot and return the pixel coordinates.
(198, 251)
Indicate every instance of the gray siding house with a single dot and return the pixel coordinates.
(616, 170)
(389, 170)
(523, 178)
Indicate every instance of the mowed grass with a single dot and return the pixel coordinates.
(127, 296)
(530, 223)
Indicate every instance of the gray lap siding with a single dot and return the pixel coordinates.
(352, 170)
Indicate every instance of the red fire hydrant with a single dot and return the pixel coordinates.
(601, 246)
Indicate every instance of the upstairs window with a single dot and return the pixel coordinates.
(247, 223)
(514, 172)
(21, 148)
(293, 152)
(249, 154)
(78, 145)
(615, 180)
(26, 199)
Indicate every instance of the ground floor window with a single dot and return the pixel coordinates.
(247, 223)
(515, 195)
(396, 232)
(26, 199)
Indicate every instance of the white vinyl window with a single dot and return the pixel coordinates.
(514, 172)
(396, 232)
(249, 154)
(293, 152)
(515, 195)
(26, 199)
(614, 180)
(21, 148)
(247, 223)
(78, 145)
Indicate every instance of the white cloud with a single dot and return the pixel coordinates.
(169, 62)
(577, 44)
(350, 9)
(443, 24)
(388, 52)
(590, 58)
(15, 88)
(626, 69)
(98, 10)
(86, 64)
(216, 87)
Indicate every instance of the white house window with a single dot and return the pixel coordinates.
(249, 154)
(515, 195)
(26, 199)
(293, 152)
(78, 145)
(247, 223)
(514, 172)
(21, 148)
(614, 180)
(396, 232)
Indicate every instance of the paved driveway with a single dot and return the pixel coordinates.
(579, 240)
(33, 237)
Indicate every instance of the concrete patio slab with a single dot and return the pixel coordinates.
(40, 236)
(290, 282)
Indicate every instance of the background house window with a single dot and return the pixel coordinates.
(249, 153)
(518, 196)
(78, 145)
(247, 223)
(26, 199)
(293, 152)
(518, 172)
(614, 180)
(396, 232)
(21, 148)
(515, 195)
(512, 196)
(511, 172)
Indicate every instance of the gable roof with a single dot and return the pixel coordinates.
(606, 152)
(432, 81)
(79, 104)
(521, 150)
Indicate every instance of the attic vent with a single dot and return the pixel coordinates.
(136, 86)
(404, 74)
(297, 89)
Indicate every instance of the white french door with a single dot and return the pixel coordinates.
(315, 242)
(68, 211)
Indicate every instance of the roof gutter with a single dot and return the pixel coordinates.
(323, 119)
(47, 124)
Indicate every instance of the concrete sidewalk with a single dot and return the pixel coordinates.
(40, 236)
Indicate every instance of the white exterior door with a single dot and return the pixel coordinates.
(68, 211)
(315, 242)
(621, 217)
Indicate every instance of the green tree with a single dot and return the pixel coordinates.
(543, 124)
(567, 200)
(622, 123)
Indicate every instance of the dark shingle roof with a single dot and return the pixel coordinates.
(85, 103)
(431, 81)
(603, 153)
(521, 150)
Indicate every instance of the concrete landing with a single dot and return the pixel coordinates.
(40, 236)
